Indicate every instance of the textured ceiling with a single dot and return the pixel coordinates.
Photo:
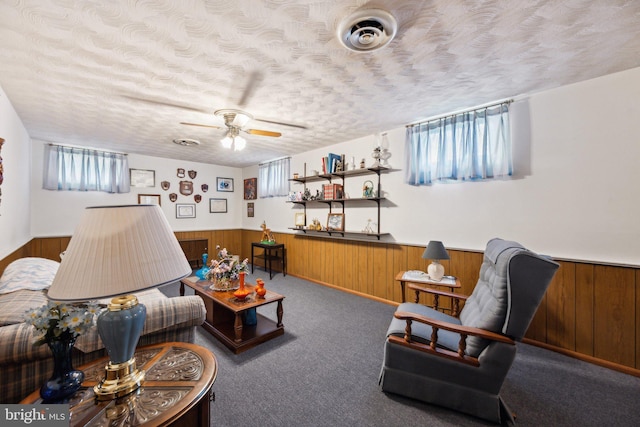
(123, 74)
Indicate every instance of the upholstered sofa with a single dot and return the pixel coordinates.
(24, 367)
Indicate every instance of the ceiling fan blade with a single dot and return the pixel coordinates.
(165, 103)
(254, 78)
(201, 125)
(263, 132)
(280, 123)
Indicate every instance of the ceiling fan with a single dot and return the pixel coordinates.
(235, 121)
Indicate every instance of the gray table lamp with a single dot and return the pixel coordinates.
(435, 251)
(114, 251)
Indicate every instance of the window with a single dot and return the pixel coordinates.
(273, 178)
(81, 169)
(474, 145)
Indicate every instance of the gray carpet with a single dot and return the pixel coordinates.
(324, 372)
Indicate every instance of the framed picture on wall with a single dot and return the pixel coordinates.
(217, 205)
(142, 178)
(185, 210)
(250, 188)
(224, 184)
(300, 220)
(148, 199)
(250, 209)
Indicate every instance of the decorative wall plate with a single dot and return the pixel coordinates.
(205, 187)
(186, 188)
(180, 173)
(192, 174)
(165, 185)
(197, 198)
(173, 197)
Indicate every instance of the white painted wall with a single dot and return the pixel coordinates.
(56, 213)
(15, 201)
(575, 193)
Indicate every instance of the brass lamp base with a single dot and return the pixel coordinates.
(120, 379)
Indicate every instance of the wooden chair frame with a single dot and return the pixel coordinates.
(436, 325)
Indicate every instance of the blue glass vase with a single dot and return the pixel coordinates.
(204, 270)
(65, 380)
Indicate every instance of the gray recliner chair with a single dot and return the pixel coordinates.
(461, 362)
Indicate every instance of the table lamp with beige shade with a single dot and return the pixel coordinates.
(115, 251)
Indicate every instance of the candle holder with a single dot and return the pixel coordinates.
(376, 156)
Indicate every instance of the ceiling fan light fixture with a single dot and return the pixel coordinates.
(239, 143)
(367, 30)
(227, 141)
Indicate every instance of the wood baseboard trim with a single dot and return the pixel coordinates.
(349, 291)
(590, 359)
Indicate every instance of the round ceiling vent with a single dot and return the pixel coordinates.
(186, 141)
(367, 30)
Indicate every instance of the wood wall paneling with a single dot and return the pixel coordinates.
(561, 308)
(591, 310)
(584, 302)
(614, 315)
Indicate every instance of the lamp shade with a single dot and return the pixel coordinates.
(435, 250)
(118, 250)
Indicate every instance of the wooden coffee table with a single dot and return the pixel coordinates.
(224, 315)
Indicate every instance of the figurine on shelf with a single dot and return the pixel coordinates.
(306, 195)
(267, 235)
(369, 228)
(315, 225)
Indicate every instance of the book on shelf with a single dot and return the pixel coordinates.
(332, 191)
(333, 163)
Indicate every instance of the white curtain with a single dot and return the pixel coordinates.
(474, 145)
(273, 178)
(81, 169)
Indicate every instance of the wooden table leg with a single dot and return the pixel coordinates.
(237, 326)
(252, 259)
(279, 312)
(181, 289)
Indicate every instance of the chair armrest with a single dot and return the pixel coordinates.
(455, 310)
(436, 325)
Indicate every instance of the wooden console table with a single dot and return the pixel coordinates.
(176, 390)
(271, 252)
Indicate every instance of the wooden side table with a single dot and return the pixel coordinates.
(271, 252)
(176, 390)
(416, 283)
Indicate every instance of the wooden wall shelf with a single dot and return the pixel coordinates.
(341, 176)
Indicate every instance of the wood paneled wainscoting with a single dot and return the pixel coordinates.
(591, 311)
